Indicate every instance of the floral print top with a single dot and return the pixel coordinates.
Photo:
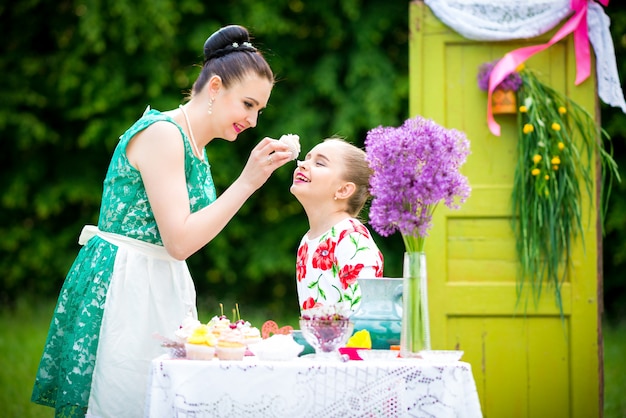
(328, 266)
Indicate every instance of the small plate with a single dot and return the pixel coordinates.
(446, 356)
(377, 354)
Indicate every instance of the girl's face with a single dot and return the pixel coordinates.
(238, 107)
(320, 175)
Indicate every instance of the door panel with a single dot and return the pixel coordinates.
(528, 361)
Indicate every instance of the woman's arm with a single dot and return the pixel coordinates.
(158, 153)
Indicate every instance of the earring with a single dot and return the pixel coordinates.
(335, 197)
(210, 111)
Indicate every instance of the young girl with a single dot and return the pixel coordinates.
(332, 186)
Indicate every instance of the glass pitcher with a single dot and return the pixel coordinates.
(380, 311)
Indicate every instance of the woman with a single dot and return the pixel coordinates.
(332, 186)
(159, 206)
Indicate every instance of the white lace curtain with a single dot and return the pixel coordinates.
(500, 20)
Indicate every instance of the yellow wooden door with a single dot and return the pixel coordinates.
(526, 360)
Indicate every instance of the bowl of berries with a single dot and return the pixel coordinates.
(326, 332)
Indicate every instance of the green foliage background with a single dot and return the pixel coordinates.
(76, 74)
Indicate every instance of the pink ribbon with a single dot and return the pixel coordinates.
(576, 24)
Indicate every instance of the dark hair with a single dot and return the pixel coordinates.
(229, 54)
(356, 170)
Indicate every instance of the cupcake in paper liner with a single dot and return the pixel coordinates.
(217, 324)
(200, 344)
(251, 335)
(230, 344)
(185, 329)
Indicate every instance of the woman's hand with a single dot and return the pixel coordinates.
(267, 156)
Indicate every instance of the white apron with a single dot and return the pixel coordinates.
(150, 292)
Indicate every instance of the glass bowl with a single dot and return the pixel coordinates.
(326, 335)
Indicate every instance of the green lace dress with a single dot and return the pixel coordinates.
(122, 289)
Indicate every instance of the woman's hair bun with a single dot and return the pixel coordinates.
(223, 38)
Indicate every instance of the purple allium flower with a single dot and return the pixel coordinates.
(415, 166)
(512, 82)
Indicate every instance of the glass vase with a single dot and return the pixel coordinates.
(415, 334)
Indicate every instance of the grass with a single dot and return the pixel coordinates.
(615, 370)
(23, 332)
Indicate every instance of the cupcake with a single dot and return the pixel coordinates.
(230, 344)
(217, 324)
(186, 328)
(251, 335)
(200, 344)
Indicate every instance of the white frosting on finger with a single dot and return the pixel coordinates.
(293, 142)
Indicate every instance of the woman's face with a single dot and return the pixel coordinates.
(320, 175)
(238, 107)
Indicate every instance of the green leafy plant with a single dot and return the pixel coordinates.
(558, 140)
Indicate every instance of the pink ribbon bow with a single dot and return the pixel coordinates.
(576, 24)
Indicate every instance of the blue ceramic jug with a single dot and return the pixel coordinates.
(380, 311)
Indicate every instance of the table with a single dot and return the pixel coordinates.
(306, 387)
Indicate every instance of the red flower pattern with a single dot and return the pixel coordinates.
(378, 272)
(378, 268)
(324, 256)
(348, 274)
(309, 303)
(327, 269)
(301, 261)
(356, 227)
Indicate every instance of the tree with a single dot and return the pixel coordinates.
(614, 242)
(77, 74)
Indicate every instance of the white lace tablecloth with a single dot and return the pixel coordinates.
(308, 388)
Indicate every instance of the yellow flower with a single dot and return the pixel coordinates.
(555, 167)
(555, 160)
(535, 172)
(547, 177)
(528, 128)
(561, 146)
(562, 110)
(523, 109)
(536, 158)
(556, 126)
